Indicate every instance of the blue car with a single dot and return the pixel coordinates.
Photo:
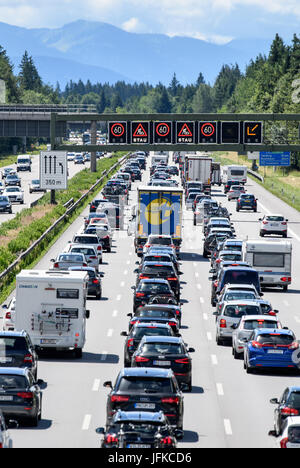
(271, 348)
(246, 202)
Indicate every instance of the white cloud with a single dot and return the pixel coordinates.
(133, 25)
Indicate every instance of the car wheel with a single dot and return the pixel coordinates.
(78, 353)
(34, 421)
(235, 354)
(219, 341)
(285, 287)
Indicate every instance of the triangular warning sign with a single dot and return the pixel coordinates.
(185, 131)
(140, 131)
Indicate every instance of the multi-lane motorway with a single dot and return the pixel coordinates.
(227, 407)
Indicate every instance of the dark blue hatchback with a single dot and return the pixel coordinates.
(246, 202)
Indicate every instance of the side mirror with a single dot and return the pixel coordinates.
(52, 260)
(274, 401)
(124, 333)
(178, 434)
(100, 430)
(108, 383)
(191, 350)
(234, 326)
(87, 314)
(133, 287)
(12, 424)
(272, 433)
(130, 315)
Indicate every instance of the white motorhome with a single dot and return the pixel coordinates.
(158, 157)
(273, 261)
(24, 163)
(51, 307)
(234, 172)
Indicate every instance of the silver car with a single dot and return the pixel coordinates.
(66, 260)
(230, 315)
(88, 251)
(235, 192)
(242, 331)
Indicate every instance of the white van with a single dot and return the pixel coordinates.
(51, 307)
(273, 261)
(24, 163)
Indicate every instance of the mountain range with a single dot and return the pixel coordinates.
(102, 53)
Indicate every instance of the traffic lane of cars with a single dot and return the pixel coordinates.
(267, 383)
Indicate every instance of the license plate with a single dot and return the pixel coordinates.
(6, 398)
(138, 446)
(48, 341)
(144, 405)
(274, 225)
(161, 363)
(275, 351)
(5, 359)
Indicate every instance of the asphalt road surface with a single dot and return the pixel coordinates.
(227, 408)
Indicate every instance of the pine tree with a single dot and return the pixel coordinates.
(29, 77)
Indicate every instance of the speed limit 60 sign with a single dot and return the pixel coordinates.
(117, 132)
(163, 132)
(207, 132)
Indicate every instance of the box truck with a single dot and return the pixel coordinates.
(159, 211)
(199, 168)
(51, 307)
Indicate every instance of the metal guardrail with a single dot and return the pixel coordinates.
(48, 108)
(64, 217)
(256, 175)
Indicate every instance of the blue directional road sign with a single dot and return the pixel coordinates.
(268, 158)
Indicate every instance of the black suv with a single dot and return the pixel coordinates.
(146, 389)
(137, 332)
(148, 288)
(211, 242)
(17, 350)
(157, 311)
(287, 406)
(160, 270)
(139, 429)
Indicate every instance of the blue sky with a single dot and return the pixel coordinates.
(216, 21)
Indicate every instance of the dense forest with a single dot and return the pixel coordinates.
(265, 86)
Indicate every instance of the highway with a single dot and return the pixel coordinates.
(227, 408)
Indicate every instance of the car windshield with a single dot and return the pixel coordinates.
(154, 313)
(162, 348)
(155, 288)
(86, 240)
(229, 246)
(253, 324)
(158, 270)
(160, 241)
(83, 250)
(70, 258)
(139, 332)
(247, 197)
(241, 277)
(294, 400)
(139, 427)
(274, 218)
(13, 189)
(236, 296)
(4, 199)
(231, 257)
(237, 311)
(12, 381)
(156, 258)
(35, 182)
(294, 434)
(137, 384)
(275, 339)
(12, 344)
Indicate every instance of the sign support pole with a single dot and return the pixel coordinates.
(52, 142)
(93, 142)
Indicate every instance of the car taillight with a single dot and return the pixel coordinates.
(140, 294)
(25, 395)
(177, 312)
(170, 400)
(216, 284)
(141, 359)
(256, 344)
(284, 442)
(172, 324)
(99, 247)
(265, 222)
(284, 223)
(8, 315)
(28, 358)
(172, 279)
(286, 279)
(167, 441)
(95, 281)
(143, 277)
(222, 323)
(93, 258)
(84, 264)
(289, 411)
(130, 341)
(106, 237)
(147, 245)
(119, 398)
(294, 345)
(111, 439)
(218, 261)
(182, 361)
(56, 265)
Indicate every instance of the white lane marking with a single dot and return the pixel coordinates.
(104, 355)
(297, 319)
(128, 262)
(96, 385)
(201, 300)
(214, 359)
(196, 274)
(220, 389)
(110, 332)
(122, 284)
(126, 272)
(209, 336)
(86, 422)
(205, 316)
(199, 286)
(286, 303)
(119, 297)
(227, 426)
(195, 264)
(115, 313)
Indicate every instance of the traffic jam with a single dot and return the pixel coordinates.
(145, 403)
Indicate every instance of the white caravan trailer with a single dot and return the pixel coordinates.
(51, 307)
(273, 261)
